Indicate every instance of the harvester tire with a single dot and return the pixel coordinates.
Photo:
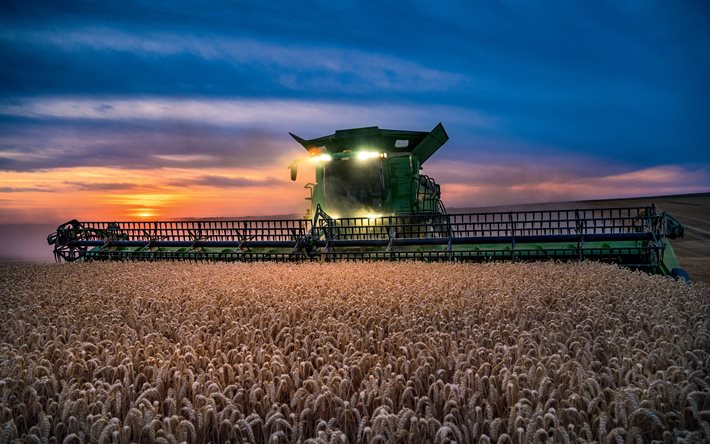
(679, 273)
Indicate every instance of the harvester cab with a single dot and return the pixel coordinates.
(373, 172)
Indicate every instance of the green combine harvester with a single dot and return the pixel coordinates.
(369, 201)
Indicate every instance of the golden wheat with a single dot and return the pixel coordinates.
(351, 352)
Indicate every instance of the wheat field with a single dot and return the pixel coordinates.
(351, 352)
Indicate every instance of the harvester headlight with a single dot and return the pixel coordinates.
(374, 216)
(322, 158)
(365, 155)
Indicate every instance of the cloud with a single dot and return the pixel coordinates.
(551, 179)
(227, 182)
(563, 76)
(507, 169)
(26, 190)
(240, 112)
(36, 145)
(295, 65)
(41, 133)
(540, 103)
(184, 158)
(99, 186)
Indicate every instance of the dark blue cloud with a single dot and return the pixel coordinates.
(622, 82)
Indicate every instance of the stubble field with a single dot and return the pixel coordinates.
(351, 352)
(691, 210)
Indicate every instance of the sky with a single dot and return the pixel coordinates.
(159, 110)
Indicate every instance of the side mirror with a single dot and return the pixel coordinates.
(294, 170)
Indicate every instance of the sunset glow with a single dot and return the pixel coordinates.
(157, 114)
(114, 194)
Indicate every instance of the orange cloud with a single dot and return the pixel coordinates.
(466, 185)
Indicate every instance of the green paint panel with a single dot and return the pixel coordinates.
(431, 143)
(401, 182)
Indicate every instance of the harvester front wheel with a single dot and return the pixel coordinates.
(679, 273)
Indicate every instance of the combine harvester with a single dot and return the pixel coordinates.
(369, 201)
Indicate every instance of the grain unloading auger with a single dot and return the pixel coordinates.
(370, 202)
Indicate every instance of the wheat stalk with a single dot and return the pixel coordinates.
(394, 351)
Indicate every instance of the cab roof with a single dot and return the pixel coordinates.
(383, 140)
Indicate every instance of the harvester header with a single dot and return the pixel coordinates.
(369, 201)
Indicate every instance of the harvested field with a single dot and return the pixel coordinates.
(402, 352)
(691, 210)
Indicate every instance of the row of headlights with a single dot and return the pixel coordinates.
(360, 155)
